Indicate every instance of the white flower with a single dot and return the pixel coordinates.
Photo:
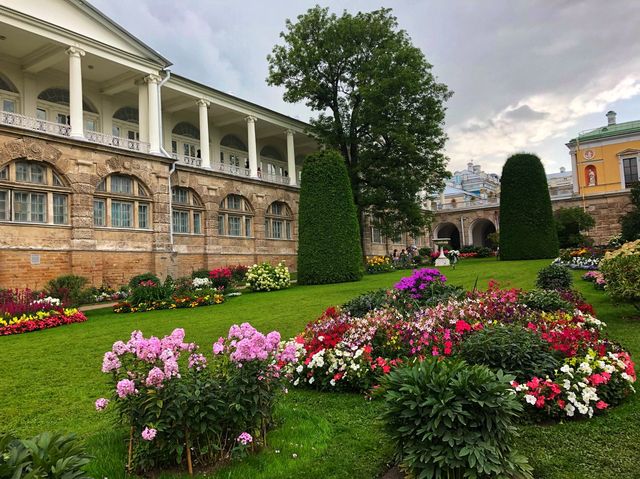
(566, 369)
(566, 384)
(585, 368)
(332, 382)
(296, 382)
(569, 409)
(311, 380)
(627, 377)
(530, 399)
(358, 353)
(299, 369)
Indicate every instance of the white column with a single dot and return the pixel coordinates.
(251, 141)
(291, 158)
(203, 106)
(75, 92)
(154, 114)
(143, 111)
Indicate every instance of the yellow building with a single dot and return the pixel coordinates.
(605, 159)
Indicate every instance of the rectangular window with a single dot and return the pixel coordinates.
(4, 205)
(41, 114)
(143, 215)
(4, 173)
(9, 106)
(90, 125)
(221, 224)
(288, 227)
(180, 196)
(630, 169)
(60, 209)
(276, 209)
(180, 221)
(234, 202)
(121, 214)
(99, 210)
(121, 184)
(376, 235)
(115, 131)
(30, 207)
(276, 229)
(247, 227)
(235, 226)
(62, 119)
(197, 229)
(174, 146)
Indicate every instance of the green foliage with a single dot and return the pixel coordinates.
(47, 455)
(555, 277)
(329, 238)
(630, 222)
(361, 305)
(494, 239)
(527, 229)
(426, 252)
(480, 251)
(149, 291)
(449, 419)
(622, 274)
(200, 273)
(545, 300)
(511, 348)
(70, 289)
(378, 103)
(570, 222)
(136, 280)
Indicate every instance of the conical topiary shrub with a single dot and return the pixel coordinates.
(329, 237)
(527, 229)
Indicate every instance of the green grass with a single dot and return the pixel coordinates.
(51, 378)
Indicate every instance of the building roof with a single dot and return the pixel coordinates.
(609, 131)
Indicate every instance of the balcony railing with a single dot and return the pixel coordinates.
(30, 123)
(271, 178)
(231, 169)
(109, 140)
(187, 160)
(468, 204)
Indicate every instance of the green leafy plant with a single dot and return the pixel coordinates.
(630, 222)
(265, 277)
(200, 273)
(329, 238)
(47, 455)
(545, 300)
(150, 291)
(570, 222)
(452, 420)
(511, 348)
(621, 270)
(527, 228)
(361, 305)
(555, 277)
(136, 280)
(70, 288)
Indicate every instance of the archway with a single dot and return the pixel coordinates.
(449, 230)
(480, 230)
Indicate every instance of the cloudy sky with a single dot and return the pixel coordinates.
(526, 75)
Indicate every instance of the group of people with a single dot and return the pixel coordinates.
(405, 256)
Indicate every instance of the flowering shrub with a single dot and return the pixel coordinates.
(621, 270)
(220, 278)
(22, 311)
(200, 283)
(379, 264)
(204, 297)
(186, 407)
(597, 278)
(264, 277)
(422, 282)
(106, 293)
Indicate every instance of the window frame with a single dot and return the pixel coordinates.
(623, 178)
(191, 208)
(134, 200)
(244, 215)
(280, 221)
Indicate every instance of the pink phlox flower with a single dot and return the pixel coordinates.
(171, 368)
(245, 438)
(155, 378)
(110, 362)
(101, 404)
(197, 361)
(120, 348)
(125, 387)
(149, 434)
(218, 346)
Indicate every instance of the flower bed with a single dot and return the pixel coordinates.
(190, 300)
(23, 311)
(193, 409)
(379, 264)
(595, 277)
(341, 351)
(265, 277)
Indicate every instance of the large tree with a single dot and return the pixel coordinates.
(378, 103)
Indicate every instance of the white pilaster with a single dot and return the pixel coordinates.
(154, 114)
(291, 158)
(143, 111)
(75, 91)
(251, 142)
(203, 111)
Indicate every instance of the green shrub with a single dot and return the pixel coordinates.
(451, 420)
(621, 270)
(47, 455)
(329, 236)
(200, 273)
(527, 228)
(511, 348)
(630, 222)
(69, 288)
(264, 277)
(136, 280)
(545, 300)
(426, 252)
(555, 277)
(149, 291)
(569, 224)
(361, 305)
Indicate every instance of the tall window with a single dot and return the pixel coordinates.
(121, 201)
(9, 97)
(185, 143)
(630, 171)
(53, 105)
(277, 221)
(187, 211)
(125, 124)
(233, 152)
(376, 235)
(235, 217)
(31, 192)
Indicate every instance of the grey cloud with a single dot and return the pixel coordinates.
(525, 113)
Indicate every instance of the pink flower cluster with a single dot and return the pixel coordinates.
(197, 361)
(245, 438)
(149, 434)
(248, 344)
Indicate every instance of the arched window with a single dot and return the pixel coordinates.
(8, 95)
(277, 221)
(125, 123)
(233, 152)
(270, 152)
(121, 201)
(232, 141)
(53, 105)
(235, 217)
(32, 192)
(187, 211)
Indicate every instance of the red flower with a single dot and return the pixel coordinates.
(601, 405)
(462, 326)
(561, 404)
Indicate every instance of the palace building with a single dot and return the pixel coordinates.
(111, 165)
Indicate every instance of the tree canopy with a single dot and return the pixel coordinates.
(630, 222)
(378, 104)
(570, 222)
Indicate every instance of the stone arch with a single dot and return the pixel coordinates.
(480, 230)
(122, 165)
(449, 230)
(60, 95)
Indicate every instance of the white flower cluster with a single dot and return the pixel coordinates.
(45, 302)
(264, 277)
(579, 262)
(340, 364)
(199, 283)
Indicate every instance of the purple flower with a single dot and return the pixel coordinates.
(218, 347)
(245, 438)
(197, 361)
(120, 348)
(125, 387)
(148, 434)
(288, 354)
(155, 378)
(110, 362)
(101, 404)
(171, 368)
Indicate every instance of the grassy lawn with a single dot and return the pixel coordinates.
(51, 379)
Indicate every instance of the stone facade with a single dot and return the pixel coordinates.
(31, 254)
